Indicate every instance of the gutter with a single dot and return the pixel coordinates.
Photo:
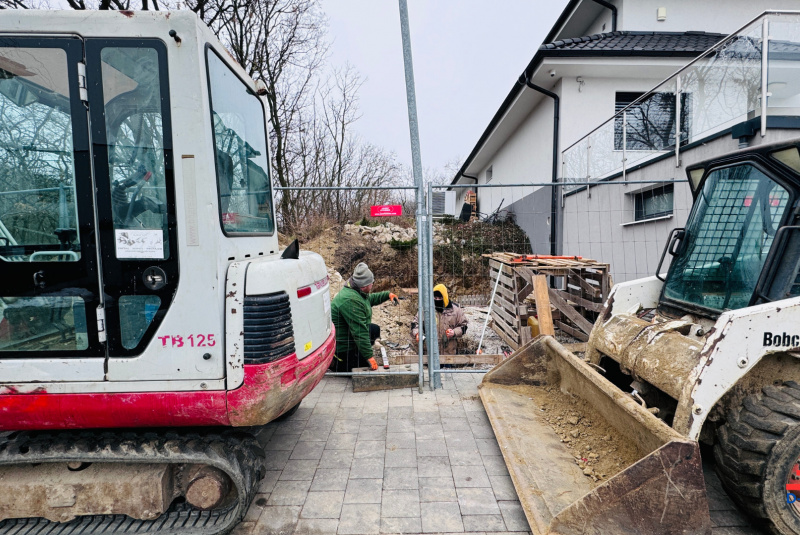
(553, 202)
(613, 9)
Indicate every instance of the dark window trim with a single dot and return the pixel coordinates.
(124, 276)
(640, 196)
(83, 275)
(227, 234)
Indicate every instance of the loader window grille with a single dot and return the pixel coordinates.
(268, 331)
(728, 237)
(240, 143)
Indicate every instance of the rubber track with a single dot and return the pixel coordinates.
(237, 454)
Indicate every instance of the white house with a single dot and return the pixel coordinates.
(599, 57)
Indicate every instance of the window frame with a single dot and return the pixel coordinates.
(639, 198)
(210, 48)
(619, 117)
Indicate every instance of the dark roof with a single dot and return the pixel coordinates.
(642, 44)
(630, 43)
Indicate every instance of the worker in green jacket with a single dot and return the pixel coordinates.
(351, 312)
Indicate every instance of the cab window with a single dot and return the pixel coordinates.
(240, 147)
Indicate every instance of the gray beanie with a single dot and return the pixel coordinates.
(362, 276)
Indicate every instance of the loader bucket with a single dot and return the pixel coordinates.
(556, 418)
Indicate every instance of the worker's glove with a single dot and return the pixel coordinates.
(416, 337)
(373, 365)
(394, 299)
(450, 333)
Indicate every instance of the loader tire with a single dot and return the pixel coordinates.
(756, 452)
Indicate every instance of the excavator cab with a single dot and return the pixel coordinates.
(705, 352)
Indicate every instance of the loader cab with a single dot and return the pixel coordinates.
(741, 244)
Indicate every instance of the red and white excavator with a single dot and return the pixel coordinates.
(145, 308)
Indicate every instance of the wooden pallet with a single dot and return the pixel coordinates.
(578, 287)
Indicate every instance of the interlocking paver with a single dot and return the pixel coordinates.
(495, 465)
(366, 449)
(400, 503)
(326, 504)
(514, 516)
(299, 470)
(470, 476)
(370, 468)
(437, 489)
(363, 491)
(330, 479)
(336, 459)
(401, 525)
(308, 451)
(341, 441)
(277, 520)
(483, 523)
(307, 526)
(289, 493)
(433, 466)
(400, 478)
(503, 488)
(360, 519)
(282, 442)
(400, 441)
(401, 458)
(477, 501)
(438, 517)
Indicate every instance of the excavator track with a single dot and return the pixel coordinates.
(235, 453)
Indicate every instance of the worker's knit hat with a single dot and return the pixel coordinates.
(362, 276)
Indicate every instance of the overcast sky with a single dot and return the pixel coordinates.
(467, 55)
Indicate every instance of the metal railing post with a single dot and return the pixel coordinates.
(765, 94)
(416, 161)
(678, 121)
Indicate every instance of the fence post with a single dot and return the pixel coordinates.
(416, 161)
(678, 91)
(433, 338)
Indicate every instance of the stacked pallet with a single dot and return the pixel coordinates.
(576, 288)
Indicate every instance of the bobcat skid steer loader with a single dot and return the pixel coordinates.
(610, 442)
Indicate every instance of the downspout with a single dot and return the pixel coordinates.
(613, 9)
(553, 201)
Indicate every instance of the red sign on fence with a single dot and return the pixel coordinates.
(386, 210)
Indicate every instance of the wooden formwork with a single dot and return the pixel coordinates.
(578, 287)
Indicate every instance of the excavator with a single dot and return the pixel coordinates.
(149, 323)
(702, 357)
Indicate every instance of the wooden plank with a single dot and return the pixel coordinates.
(588, 305)
(561, 304)
(572, 331)
(449, 359)
(509, 319)
(540, 292)
(575, 278)
(508, 340)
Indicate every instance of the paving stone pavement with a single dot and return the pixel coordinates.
(399, 462)
(394, 461)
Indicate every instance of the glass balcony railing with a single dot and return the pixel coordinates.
(732, 82)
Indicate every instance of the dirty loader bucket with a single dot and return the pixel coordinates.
(584, 456)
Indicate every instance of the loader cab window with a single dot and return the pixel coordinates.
(728, 237)
(38, 208)
(240, 145)
(135, 140)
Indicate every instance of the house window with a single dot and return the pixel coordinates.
(653, 203)
(489, 174)
(651, 122)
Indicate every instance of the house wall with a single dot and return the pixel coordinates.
(683, 15)
(593, 220)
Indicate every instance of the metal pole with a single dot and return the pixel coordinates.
(433, 343)
(764, 74)
(624, 146)
(416, 165)
(678, 121)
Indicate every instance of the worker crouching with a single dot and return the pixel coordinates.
(351, 313)
(451, 323)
